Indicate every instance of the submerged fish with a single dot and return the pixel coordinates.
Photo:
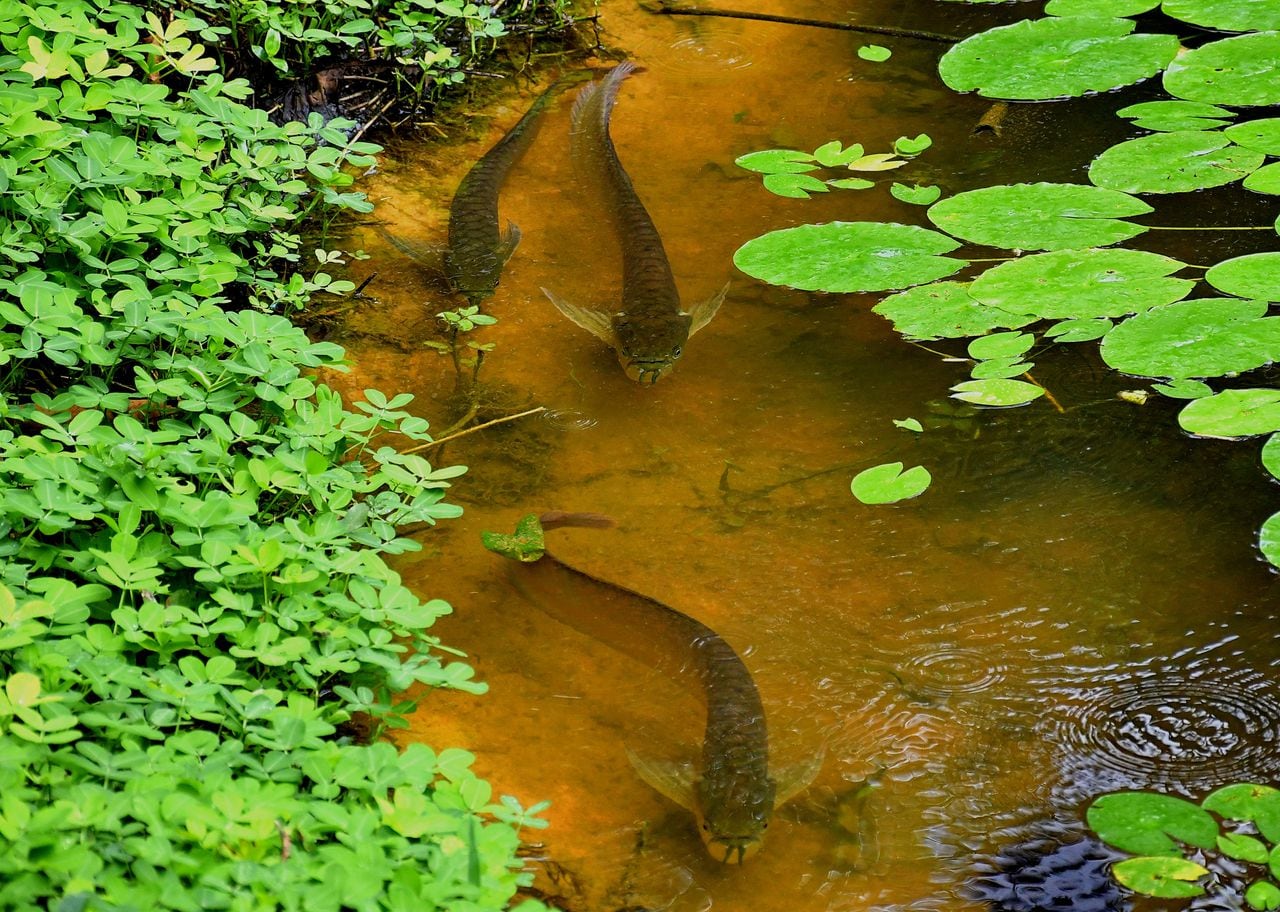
(650, 331)
(733, 796)
(478, 250)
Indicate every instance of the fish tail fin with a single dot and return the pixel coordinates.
(558, 519)
(595, 100)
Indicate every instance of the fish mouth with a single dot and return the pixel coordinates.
(732, 849)
(647, 373)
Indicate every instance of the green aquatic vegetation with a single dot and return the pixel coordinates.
(1265, 180)
(874, 53)
(1256, 275)
(1172, 115)
(1173, 163)
(1155, 828)
(946, 310)
(1205, 337)
(1099, 7)
(889, 483)
(997, 392)
(1103, 53)
(1262, 135)
(786, 171)
(1225, 15)
(1239, 71)
(916, 194)
(1079, 329)
(1233, 413)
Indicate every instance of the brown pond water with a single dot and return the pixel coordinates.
(1074, 606)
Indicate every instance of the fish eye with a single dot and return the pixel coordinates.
(676, 352)
(706, 827)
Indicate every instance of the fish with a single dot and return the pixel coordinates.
(650, 330)
(734, 794)
(478, 250)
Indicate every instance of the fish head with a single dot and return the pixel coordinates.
(649, 348)
(733, 814)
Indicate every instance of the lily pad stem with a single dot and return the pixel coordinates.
(1047, 395)
(479, 427)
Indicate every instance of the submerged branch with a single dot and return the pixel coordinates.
(668, 8)
(478, 427)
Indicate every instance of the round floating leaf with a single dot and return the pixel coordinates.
(1263, 895)
(1162, 876)
(945, 310)
(1260, 135)
(794, 186)
(1174, 107)
(1173, 163)
(1099, 7)
(1226, 15)
(1056, 58)
(1001, 345)
(916, 195)
(1269, 540)
(1081, 284)
(1254, 276)
(1147, 824)
(832, 155)
(1184, 389)
(1248, 801)
(777, 161)
(1002, 393)
(1233, 413)
(1265, 180)
(1178, 124)
(1000, 369)
(1207, 337)
(884, 484)
(874, 52)
(851, 183)
(1271, 462)
(1273, 862)
(909, 424)
(1039, 216)
(1244, 70)
(849, 256)
(905, 145)
(1245, 848)
(1079, 330)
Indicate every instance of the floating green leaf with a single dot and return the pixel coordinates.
(945, 310)
(1079, 330)
(909, 424)
(1269, 539)
(1233, 413)
(1206, 337)
(874, 52)
(849, 256)
(1147, 824)
(880, 161)
(915, 194)
(1271, 462)
(1162, 876)
(1226, 15)
(794, 186)
(1261, 135)
(851, 183)
(833, 155)
(1003, 393)
(1265, 180)
(1001, 345)
(1000, 368)
(1244, 70)
(777, 161)
(1173, 163)
(1245, 848)
(1259, 804)
(1184, 389)
(1256, 275)
(1040, 216)
(1174, 107)
(1262, 895)
(1056, 58)
(1099, 7)
(888, 483)
(1081, 284)
(905, 145)
(1178, 124)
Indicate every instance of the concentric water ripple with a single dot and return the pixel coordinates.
(954, 670)
(569, 419)
(704, 55)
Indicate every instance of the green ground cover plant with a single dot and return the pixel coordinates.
(194, 598)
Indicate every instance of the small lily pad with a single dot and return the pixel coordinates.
(1147, 824)
(1001, 345)
(1170, 878)
(1099, 7)
(888, 483)
(777, 161)
(1244, 70)
(880, 161)
(875, 53)
(1174, 107)
(909, 424)
(1184, 389)
(1206, 337)
(1262, 135)
(915, 194)
(1269, 540)
(794, 186)
(1259, 804)
(997, 393)
(1178, 124)
(833, 155)
(849, 256)
(851, 183)
(1233, 413)
(1245, 848)
(1173, 163)
(1079, 330)
(905, 145)
(1000, 368)
(1226, 15)
(945, 310)
(1265, 180)
(1256, 276)
(1271, 462)
(1263, 896)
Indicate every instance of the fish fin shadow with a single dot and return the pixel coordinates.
(792, 780)
(510, 241)
(670, 779)
(595, 322)
(701, 314)
(428, 256)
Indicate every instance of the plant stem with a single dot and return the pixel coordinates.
(478, 427)
(1048, 395)
(667, 7)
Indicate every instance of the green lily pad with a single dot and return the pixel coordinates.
(909, 424)
(1000, 393)
(849, 256)
(851, 183)
(1262, 135)
(1233, 413)
(1082, 284)
(1265, 180)
(1184, 389)
(794, 186)
(1056, 58)
(1040, 216)
(888, 483)
(832, 154)
(1001, 345)
(1269, 540)
(1207, 337)
(1226, 15)
(1271, 462)
(1245, 848)
(916, 194)
(1079, 330)
(1162, 876)
(1259, 804)
(1244, 70)
(1147, 824)
(1000, 369)
(1256, 275)
(905, 145)
(1263, 895)
(1173, 163)
(1173, 124)
(1099, 7)
(875, 53)
(1174, 107)
(777, 161)
(945, 310)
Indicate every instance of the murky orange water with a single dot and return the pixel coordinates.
(1073, 606)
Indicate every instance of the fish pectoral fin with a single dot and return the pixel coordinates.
(701, 314)
(593, 321)
(422, 254)
(792, 780)
(670, 779)
(510, 241)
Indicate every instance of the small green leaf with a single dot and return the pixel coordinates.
(888, 483)
(1085, 330)
(874, 52)
(1162, 876)
(1245, 848)
(1271, 462)
(851, 183)
(777, 161)
(1233, 413)
(1184, 389)
(1259, 804)
(880, 161)
(997, 393)
(1269, 541)
(909, 424)
(1262, 895)
(1001, 345)
(793, 186)
(1000, 369)
(916, 194)
(833, 155)
(905, 145)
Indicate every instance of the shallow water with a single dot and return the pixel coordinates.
(1075, 605)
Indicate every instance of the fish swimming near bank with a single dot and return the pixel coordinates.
(650, 330)
(733, 795)
(478, 249)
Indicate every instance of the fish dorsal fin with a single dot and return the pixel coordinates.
(792, 780)
(422, 254)
(669, 778)
(593, 321)
(510, 241)
(701, 314)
